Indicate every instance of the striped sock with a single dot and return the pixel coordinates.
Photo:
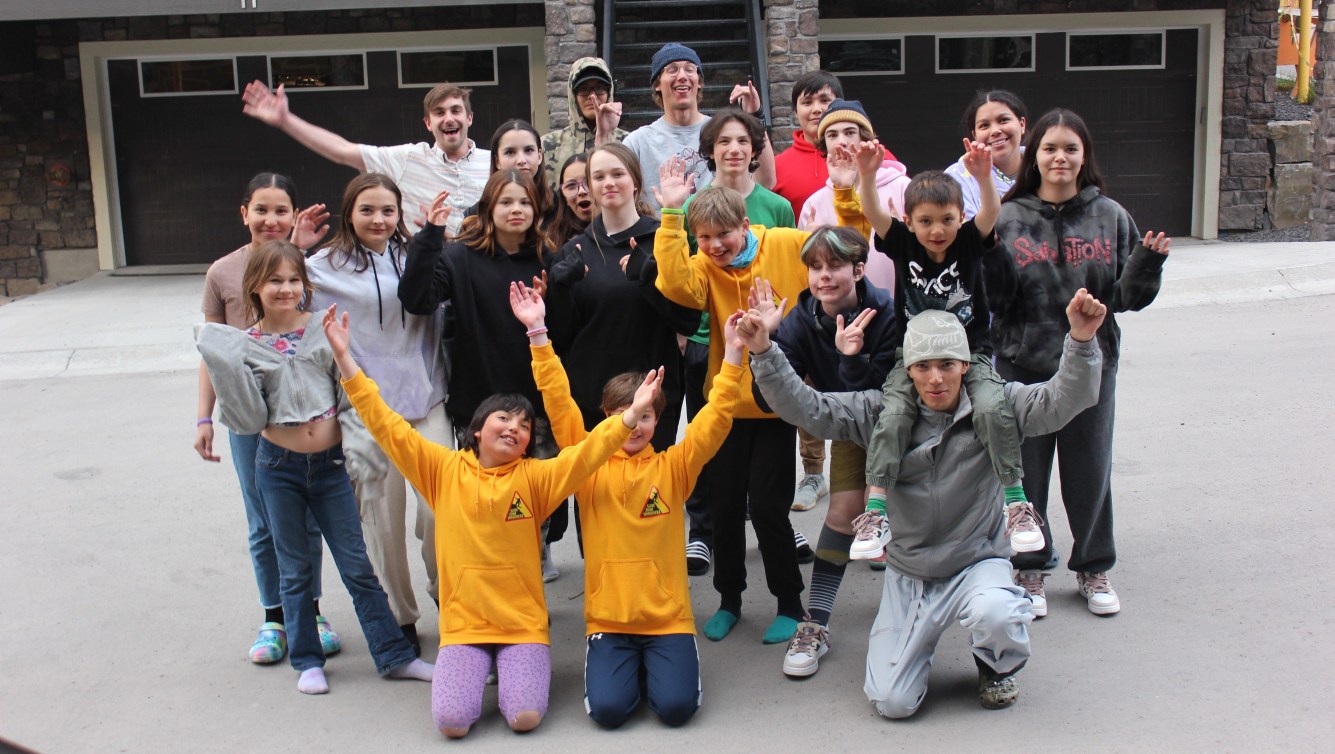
(827, 573)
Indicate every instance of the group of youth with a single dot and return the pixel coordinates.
(498, 330)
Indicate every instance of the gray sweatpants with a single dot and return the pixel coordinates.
(914, 614)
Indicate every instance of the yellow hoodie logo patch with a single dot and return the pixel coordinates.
(654, 506)
(518, 510)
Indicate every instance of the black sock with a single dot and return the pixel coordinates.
(273, 614)
(317, 607)
(791, 607)
(732, 604)
(410, 633)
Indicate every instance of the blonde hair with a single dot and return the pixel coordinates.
(717, 207)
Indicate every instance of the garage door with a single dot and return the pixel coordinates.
(184, 150)
(1136, 90)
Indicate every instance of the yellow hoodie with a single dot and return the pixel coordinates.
(488, 521)
(697, 282)
(632, 511)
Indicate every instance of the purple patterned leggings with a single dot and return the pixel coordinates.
(524, 677)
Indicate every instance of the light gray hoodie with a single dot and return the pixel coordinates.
(946, 511)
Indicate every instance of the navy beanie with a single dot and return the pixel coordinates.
(671, 53)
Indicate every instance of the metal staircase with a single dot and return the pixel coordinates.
(729, 36)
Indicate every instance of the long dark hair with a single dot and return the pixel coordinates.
(1011, 100)
(479, 231)
(270, 180)
(546, 200)
(568, 224)
(1029, 181)
(346, 247)
(508, 402)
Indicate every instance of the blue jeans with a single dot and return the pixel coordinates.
(262, 555)
(294, 486)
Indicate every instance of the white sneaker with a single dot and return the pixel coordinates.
(549, 570)
(809, 644)
(1032, 583)
(1024, 527)
(871, 532)
(810, 491)
(1098, 593)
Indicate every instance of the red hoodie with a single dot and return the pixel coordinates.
(801, 171)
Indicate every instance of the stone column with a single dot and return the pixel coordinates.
(570, 36)
(792, 28)
(1323, 128)
(1250, 47)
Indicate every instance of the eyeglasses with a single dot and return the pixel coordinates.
(592, 91)
(574, 187)
(687, 68)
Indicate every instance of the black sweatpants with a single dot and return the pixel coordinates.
(755, 464)
(1084, 463)
(695, 367)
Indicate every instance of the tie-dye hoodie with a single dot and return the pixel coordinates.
(1053, 250)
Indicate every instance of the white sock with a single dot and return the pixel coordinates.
(417, 670)
(312, 681)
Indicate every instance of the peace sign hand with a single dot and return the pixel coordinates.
(850, 338)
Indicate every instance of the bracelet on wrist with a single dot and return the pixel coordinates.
(536, 331)
(673, 211)
(205, 420)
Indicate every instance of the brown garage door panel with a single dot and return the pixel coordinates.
(1143, 121)
(182, 162)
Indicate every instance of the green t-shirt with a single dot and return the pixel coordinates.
(763, 207)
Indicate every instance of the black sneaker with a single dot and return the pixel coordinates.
(804, 552)
(697, 558)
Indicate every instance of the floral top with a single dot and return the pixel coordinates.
(286, 344)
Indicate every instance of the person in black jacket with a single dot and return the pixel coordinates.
(841, 336)
(499, 245)
(1060, 234)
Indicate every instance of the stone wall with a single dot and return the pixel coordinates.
(793, 27)
(46, 198)
(1289, 193)
(1250, 48)
(1323, 128)
(571, 35)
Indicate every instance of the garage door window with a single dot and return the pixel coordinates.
(973, 54)
(1122, 50)
(335, 72)
(176, 78)
(425, 68)
(854, 57)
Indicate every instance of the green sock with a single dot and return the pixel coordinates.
(876, 503)
(1015, 494)
(720, 625)
(780, 631)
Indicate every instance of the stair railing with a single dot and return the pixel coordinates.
(755, 21)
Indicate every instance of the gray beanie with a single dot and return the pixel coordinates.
(934, 334)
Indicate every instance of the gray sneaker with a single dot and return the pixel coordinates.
(997, 691)
(810, 491)
(809, 644)
(1032, 584)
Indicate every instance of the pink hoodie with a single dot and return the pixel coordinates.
(891, 180)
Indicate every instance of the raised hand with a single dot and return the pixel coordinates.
(528, 306)
(748, 96)
(570, 268)
(540, 283)
(1086, 315)
(869, 156)
(850, 338)
(977, 159)
(1158, 244)
(336, 330)
(609, 117)
(762, 303)
(644, 397)
(264, 105)
(439, 212)
(842, 166)
(675, 185)
(310, 227)
(752, 333)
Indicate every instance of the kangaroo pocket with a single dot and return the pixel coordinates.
(631, 592)
(492, 598)
(1041, 346)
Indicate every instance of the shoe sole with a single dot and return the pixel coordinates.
(696, 570)
(792, 672)
(1109, 610)
(877, 565)
(1037, 610)
(800, 507)
(870, 555)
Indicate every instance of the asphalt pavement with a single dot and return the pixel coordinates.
(128, 602)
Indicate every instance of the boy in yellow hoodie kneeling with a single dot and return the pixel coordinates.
(637, 604)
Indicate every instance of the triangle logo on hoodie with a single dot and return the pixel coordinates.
(518, 510)
(654, 506)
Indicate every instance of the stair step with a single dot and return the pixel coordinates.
(679, 23)
(670, 4)
(653, 46)
(623, 70)
(625, 92)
